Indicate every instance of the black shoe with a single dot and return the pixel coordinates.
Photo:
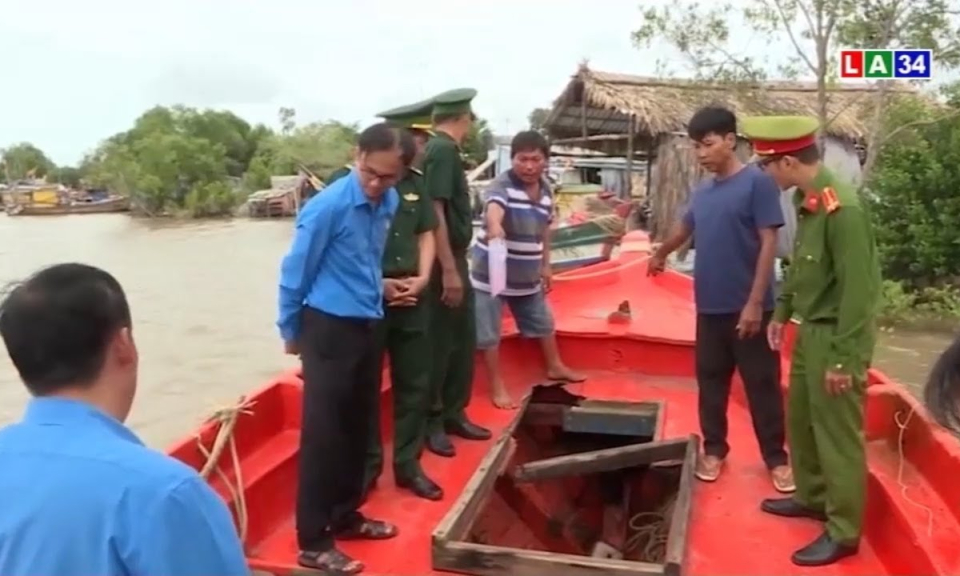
(420, 485)
(467, 429)
(790, 508)
(822, 551)
(440, 444)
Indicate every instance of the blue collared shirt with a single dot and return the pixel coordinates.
(334, 264)
(81, 495)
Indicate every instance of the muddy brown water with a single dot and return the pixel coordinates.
(203, 297)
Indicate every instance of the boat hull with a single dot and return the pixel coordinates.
(643, 356)
(99, 207)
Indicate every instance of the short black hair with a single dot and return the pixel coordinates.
(809, 155)
(711, 120)
(529, 141)
(408, 148)
(380, 137)
(58, 323)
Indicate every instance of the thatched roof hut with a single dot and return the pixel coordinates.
(599, 110)
(598, 105)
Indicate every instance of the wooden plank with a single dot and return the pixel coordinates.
(600, 460)
(538, 414)
(456, 524)
(482, 560)
(680, 522)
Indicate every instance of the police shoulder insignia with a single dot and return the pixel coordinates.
(411, 197)
(830, 201)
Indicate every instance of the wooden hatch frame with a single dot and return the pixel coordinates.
(451, 553)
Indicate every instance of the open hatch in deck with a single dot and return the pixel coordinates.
(576, 487)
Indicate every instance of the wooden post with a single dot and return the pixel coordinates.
(630, 132)
(583, 114)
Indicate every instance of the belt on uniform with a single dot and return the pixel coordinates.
(823, 321)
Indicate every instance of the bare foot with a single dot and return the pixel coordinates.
(563, 374)
(503, 401)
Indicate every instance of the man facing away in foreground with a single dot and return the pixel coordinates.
(452, 307)
(79, 493)
(833, 286)
(407, 264)
(331, 301)
(519, 209)
(733, 217)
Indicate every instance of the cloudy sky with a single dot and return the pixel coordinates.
(76, 72)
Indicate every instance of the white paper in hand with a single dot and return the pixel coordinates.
(497, 261)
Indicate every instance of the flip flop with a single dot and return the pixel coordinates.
(331, 562)
(367, 529)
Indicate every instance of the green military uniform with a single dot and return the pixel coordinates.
(339, 173)
(832, 287)
(452, 329)
(403, 333)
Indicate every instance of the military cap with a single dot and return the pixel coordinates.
(772, 135)
(413, 116)
(454, 101)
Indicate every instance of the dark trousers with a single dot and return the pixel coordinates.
(719, 352)
(341, 393)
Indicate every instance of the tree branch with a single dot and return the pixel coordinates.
(915, 123)
(793, 37)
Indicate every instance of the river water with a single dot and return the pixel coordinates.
(203, 297)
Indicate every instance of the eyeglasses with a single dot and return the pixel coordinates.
(374, 175)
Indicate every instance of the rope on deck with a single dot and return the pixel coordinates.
(650, 530)
(901, 464)
(227, 419)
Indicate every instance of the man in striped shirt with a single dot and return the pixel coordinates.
(518, 209)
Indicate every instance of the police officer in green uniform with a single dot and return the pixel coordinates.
(407, 264)
(832, 287)
(452, 311)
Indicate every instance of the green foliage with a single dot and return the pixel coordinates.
(931, 307)
(321, 146)
(537, 118)
(914, 198)
(66, 175)
(181, 160)
(479, 142)
(23, 160)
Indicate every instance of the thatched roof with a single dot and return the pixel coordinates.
(666, 105)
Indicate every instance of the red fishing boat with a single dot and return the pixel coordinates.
(596, 478)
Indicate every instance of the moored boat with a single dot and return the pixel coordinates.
(105, 206)
(509, 507)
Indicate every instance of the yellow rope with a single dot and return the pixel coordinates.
(227, 418)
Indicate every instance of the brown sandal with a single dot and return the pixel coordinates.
(331, 562)
(367, 529)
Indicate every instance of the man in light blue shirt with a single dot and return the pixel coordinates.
(79, 493)
(331, 298)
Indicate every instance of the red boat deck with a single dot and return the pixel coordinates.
(647, 358)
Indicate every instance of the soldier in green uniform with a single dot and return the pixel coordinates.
(407, 264)
(452, 312)
(833, 288)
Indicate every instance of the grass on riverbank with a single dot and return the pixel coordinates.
(928, 309)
